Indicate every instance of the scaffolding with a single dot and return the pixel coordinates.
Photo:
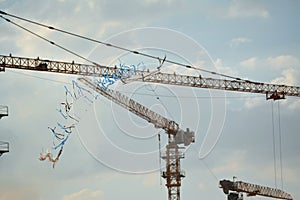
(3, 111)
(4, 147)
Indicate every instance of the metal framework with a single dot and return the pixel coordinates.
(152, 117)
(272, 91)
(4, 147)
(253, 189)
(172, 156)
(173, 173)
(3, 111)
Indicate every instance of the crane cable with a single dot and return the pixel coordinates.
(49, 41)
(274, 145)
(280, 145)
(161, 60)
(159, 149)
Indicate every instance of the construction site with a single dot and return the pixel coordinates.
(147, 112)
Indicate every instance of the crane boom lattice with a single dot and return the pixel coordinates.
(177, 137)
(272, 91)
(173, 173)
(253, 189)
(152, 117)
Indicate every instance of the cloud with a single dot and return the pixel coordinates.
(289, 77)
(295, 105)
(280, 62)
(85, 194)
(22, 194)
(238, 41)
(234, 163)
(283, 61)
(249, 63)
(224, 70)
(240, 8)
(150, 180)
(254, 102)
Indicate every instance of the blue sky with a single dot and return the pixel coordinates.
(113, 154)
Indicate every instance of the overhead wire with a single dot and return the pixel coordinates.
(159, 159)
(49, 41)
(161, 60)
(161, 102)
(205, 164)
(280, 146)
(145, 94)
(274, 146)
(38, 77)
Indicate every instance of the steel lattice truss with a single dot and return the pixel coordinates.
(253, 189)
(262, 190)
(173, 173)
(273, 91)
(232, 85)
(154, 118)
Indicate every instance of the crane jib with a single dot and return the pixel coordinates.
(272, 91)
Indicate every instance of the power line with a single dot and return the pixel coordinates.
(161, 60)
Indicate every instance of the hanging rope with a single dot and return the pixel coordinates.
(159, 149)
(280, 145)
(274, 146)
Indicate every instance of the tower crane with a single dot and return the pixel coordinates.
(176, 136)
(251, 190)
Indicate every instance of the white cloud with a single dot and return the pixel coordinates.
(238, 41)
(280, 62)
(22, 194)
(85, 194)
(202, 186)
(295, 105)
(235, 163)
(240, 8)
(283, 61)
(151, 179)
(249, 63)
(254, 102)
(224, 70)
(289, 77)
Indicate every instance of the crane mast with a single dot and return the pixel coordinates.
(176, 137)
(272, 91)
(252, 190)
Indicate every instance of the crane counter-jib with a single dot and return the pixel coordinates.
(272, 91)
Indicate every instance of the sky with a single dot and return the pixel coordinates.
(113, 154)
